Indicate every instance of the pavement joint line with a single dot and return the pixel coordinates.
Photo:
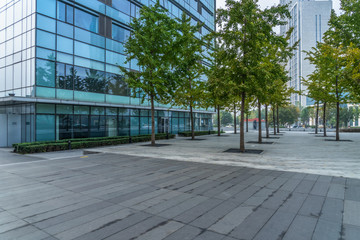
(36, 161)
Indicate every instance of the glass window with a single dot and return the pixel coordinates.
(64, 76)
(144, 125)
(121, 5)
(87, 51)
(124, 126)
(64, 124)
(86, 20)
(120, 34)
(45, 53)
(88, 63)
(111, 111)
(65, 29)
(116, 85)
(111, 126)
(114, 46)
(46, 7)
(134, 126)
(89, 37)
(81, 110)
(97, 110)
(64, 109)
(124, 111)
(45, 108)
(89, 80)
(81, 126)
(45, 39)
(97, 126)
(45, 73)
(45, 127)
(61, 11)
(45, 23)
(116, 59)
(65, 45)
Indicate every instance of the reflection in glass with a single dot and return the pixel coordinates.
(45, 73)
(116, 85)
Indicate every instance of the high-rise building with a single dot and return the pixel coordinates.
(309, 18)
(59, 75)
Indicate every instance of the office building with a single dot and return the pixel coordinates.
(309, 18)
(59, 75)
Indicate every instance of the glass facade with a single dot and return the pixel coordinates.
(69, 51)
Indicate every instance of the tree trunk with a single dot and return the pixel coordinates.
(337, 112)
(266, 121)
(192, 123)
(247, 122)
(235, 119)
(337, 121)
(317, 118)
(152, 120)
(324, 119)
(277, 118)
(259, 116)
(242, 135)
(273, 108)
(219, 120)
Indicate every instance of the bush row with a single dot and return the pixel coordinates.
(51, 146)
(197, 133)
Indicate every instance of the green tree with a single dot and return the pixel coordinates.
(153, 45)
(305, 115)
(189, 69)
(243, 30)
(226, 118)
(288, 115)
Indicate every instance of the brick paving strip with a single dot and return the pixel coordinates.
(113, 196)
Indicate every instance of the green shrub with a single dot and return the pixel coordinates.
(197, 133)
(78, 143)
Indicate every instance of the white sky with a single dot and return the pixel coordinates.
(268, 3)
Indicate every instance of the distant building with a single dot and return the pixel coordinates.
(309, 18)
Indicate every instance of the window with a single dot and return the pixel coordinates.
(121, 5)
(89, 80)
(45, 73)
(116, 85)
(46, 7)
(120, 34)
(86, 20)
(45, 127)
(64, 76)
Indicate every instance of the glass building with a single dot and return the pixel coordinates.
(59, 75)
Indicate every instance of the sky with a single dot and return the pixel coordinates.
(268, 3)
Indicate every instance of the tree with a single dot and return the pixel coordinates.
(288, 115)
(218, 83)
(226, 118)
(305, 115)
(153, 45)
(243, 30)
(189, 69)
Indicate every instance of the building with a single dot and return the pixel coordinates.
(309, 18)
(59, 75)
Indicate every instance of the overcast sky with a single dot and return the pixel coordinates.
(269, 3)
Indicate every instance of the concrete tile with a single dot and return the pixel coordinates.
(351, 213)
(326, 230)
(301, 228)
(185, 233)
(351, 232)
(312, 206)
(231, 220)
(162, 231)
(252, 224)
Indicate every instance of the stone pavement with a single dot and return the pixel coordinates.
(122, 197)
(294, 151)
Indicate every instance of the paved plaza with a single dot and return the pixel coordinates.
(125, 194)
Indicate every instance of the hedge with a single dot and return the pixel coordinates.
(197, 133)
(51, 146)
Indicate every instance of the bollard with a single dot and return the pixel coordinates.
(69, 145)
(130, 139)
(209, 132)
(167, 135)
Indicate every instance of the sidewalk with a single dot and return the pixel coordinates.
(293, 151)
